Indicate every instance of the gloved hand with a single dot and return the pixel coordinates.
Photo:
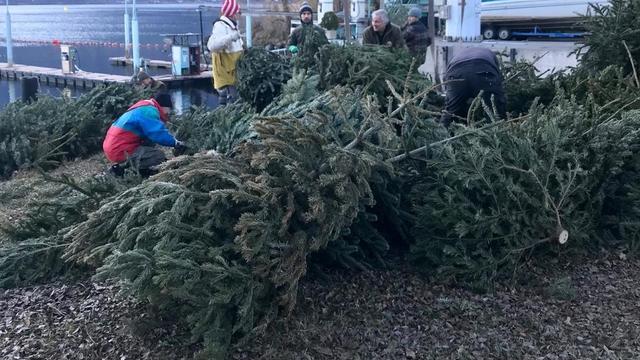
(180, 148)
(293, 49)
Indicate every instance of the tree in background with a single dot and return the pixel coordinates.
(615, 36)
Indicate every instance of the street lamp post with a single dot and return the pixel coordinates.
(199, 10)
(8, 37)
(347, 21)
(248, 25)
(136, 39)
(127, 30)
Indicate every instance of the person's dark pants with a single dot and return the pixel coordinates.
(464, 83)
(227, 95)
(144, 159)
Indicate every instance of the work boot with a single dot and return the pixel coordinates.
(232, 94)
(145, 173)
(223, 94)
(116, 170)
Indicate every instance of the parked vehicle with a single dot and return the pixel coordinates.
(504, 19)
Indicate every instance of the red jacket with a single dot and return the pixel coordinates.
(144, 121)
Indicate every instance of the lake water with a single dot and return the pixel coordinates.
(97, 32)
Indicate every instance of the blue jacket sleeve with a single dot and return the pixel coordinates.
(154, 129)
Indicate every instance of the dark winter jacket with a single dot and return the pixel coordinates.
(474, 54)
(472, 71)
(298, 35)
(391, 36)
(417, 39)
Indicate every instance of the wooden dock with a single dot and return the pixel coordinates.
(123, 61)
(158, 64)
(55, 77)
(89, 80)
(175, 82)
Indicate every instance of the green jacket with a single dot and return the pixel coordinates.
(391, 36)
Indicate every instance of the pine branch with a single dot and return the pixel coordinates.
(456, 137)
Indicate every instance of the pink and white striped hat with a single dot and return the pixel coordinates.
(230, 8)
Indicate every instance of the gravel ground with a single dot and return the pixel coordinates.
(584, 312)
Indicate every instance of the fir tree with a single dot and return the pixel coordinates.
(223, 241)
(31, 250)
(261, 75)
(613, 36)
(220, 129)
(50, 130)
(491, 200)
(312, 41)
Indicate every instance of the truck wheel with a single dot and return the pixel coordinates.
(504, 34)
(489, 33)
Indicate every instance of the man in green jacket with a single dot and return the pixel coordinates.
(306, 30)
(382, 32)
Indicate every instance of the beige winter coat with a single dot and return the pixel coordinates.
(226, 48)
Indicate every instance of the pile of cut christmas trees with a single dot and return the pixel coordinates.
(332, 161)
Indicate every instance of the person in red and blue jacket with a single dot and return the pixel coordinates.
(132, 138)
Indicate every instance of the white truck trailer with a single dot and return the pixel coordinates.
(504, 19)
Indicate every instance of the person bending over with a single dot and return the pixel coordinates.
(132, 138)
(470, 71)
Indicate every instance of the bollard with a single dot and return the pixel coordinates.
(29, 89)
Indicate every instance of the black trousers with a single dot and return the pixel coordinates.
(464, 83)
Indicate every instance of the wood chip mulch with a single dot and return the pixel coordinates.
(84, 320)
(587, 311)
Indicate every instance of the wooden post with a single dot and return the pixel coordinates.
(347, 20)
(29, 89)
(431, 19)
